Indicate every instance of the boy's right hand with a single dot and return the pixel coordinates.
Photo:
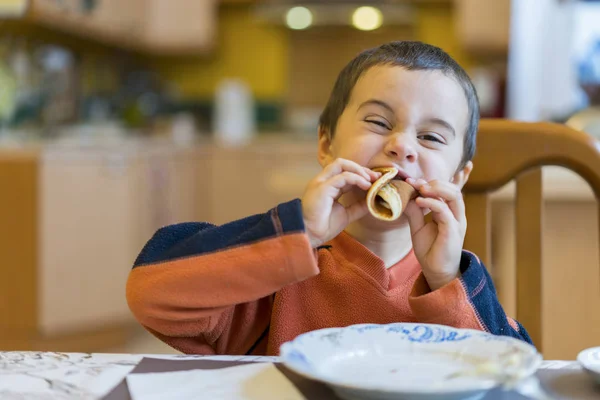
(324, 216)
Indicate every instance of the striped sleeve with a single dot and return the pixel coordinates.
(194, 284)
(467, 302)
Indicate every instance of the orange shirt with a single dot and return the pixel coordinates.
(248, 286)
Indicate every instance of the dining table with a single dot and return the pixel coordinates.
(83, 376)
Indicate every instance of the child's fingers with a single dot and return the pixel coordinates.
(341, 165)
(445, 191)
(415, 216)
(374, 175)
(448, 192)
(443, 214)
(344, 190)
(416, 183)
(345, 181)
(357, 210)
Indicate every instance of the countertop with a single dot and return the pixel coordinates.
(559, 184)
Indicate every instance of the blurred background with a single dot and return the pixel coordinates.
(119, 117)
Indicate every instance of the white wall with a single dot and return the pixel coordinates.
(542, 73)
(587, 29)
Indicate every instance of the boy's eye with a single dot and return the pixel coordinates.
(431, 138)
(378, 123)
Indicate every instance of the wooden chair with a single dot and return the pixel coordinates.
(509, 150)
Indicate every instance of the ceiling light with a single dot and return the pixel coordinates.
(303, 14)
(367, 18)
(298, 18)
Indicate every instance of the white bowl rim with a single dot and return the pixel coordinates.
(583, 357)
(484, 384)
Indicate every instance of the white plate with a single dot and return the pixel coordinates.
(409, 361)
(590, 361)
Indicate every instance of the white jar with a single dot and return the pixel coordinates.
(234, 120)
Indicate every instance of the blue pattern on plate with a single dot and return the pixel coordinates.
(428, 334)
(414, 333)
(294, 356)
(364, 328)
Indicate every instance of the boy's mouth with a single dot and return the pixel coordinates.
(386, 200)
(400, 176)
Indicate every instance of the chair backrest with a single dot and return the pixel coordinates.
(509, 150)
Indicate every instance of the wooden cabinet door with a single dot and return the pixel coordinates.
(483, 26)
(112, 22)
(259, 177)
(117, 18)
(180, 25)
(152, 26)
(295, 165)
(86, 235)
(239, 187)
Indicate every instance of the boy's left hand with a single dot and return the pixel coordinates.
(437, 244)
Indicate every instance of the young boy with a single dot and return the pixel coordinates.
(323, 261)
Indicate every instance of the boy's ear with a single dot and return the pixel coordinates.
(324, 154)
(461, 176)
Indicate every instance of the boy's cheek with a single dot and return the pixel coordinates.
(437, 169)
(439, 177)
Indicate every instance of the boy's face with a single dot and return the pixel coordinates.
(412, 120)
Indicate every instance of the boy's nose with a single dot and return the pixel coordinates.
(400, 147)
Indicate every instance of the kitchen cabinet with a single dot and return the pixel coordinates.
(119, 19)
(483, 26)
(73, 224)
(18, 231)
(179, 27)
(256, 178)
(107, 21)
(86, 230)
(149, 26)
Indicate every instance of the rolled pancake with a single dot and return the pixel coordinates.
(387, 198)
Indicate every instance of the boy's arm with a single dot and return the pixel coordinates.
(208, 289)
(467, 302)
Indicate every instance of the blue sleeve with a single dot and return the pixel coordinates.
(197, 238)
(482, 294)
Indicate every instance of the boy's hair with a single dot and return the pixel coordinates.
(413, 56)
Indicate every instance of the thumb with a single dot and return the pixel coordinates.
(415, 216)
(357, 210)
